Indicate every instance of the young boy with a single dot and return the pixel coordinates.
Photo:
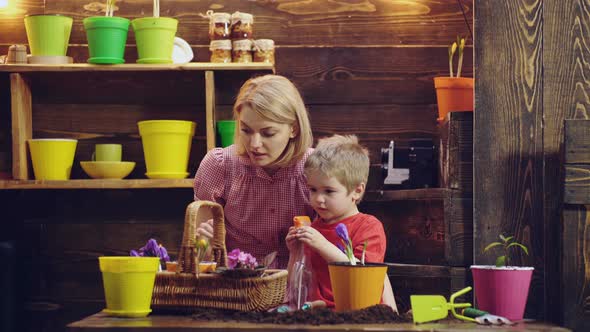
(337, 173)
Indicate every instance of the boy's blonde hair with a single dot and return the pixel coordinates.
(343, 158)
(275, 98)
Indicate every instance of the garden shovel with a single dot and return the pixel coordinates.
(427, 308)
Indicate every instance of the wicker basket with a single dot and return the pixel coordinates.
(186, 288)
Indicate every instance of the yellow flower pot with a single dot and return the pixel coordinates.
(166, 147)
(357, 286)
(128, 284)
(52, 158)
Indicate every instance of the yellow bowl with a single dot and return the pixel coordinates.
(107, 169)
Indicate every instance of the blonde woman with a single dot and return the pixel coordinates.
(259, 180)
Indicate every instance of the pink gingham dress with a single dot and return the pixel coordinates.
(258, 208)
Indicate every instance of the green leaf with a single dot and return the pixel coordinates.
(491, 245)
(503, 238)
(509, 238)
(501, 261)
(526, 251)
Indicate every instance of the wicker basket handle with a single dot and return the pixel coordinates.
(196, 213)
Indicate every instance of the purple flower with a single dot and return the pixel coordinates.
(232, 258)
(164, 254)
(238, 259)
(152, 249)
(341, 247)
(342, 232)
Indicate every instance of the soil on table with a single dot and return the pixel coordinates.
(377, 314)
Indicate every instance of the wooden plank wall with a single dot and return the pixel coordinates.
(535, 78)
(576, 225)
(363, 67)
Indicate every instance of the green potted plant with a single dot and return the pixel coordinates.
(454, 93)
(154, 37)
(107, 36)
(502, 289)
(355, 284)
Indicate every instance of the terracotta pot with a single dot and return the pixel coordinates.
(357, 286)
(502, 291)
(453, 94)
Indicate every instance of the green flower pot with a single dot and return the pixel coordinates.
(48, 34)
(155, 38)
(107, 37)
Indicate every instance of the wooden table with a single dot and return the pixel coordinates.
(102, 323)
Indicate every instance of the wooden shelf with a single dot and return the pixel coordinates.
(97, 184)
(23, 89)
(406, 194)
(83, 67)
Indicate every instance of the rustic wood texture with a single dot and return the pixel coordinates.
(102, 323)
(458, 217)
(576, 267)
(323, 23)
(577, 184)
(565, 96)
(577, 141)
(456, 151)
(414, 230)
(22, 127)
(508, 142)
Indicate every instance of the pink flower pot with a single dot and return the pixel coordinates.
(502, 291)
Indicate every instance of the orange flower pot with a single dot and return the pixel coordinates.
(356, 286)
(453, 94)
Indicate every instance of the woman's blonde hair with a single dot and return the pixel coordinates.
(343, 158)
(275, 98)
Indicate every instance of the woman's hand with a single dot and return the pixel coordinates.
(291, 239)
(205, 229)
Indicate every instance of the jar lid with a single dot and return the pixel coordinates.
(264, 44)
(220, 17)
(223, 44)
(243, 17)
(242, 45)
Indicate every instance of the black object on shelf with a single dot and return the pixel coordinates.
(410, 167)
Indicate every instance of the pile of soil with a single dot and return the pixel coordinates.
(377, 314)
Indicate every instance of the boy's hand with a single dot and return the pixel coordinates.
(311, 237)
(291, 239)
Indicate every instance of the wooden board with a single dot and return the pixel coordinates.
(322, 23)
(576, 267)
(414, 229)
(458, 217)
(455, 151)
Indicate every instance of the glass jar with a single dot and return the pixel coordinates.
(264, 50)
(219, 25)
(242, 51)
(220, 50)
(242, 25)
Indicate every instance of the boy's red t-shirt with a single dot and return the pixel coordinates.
(361, 227)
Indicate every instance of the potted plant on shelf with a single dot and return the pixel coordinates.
(154, 37)
(107, 36)
(355, 285)
(454, 93)
(502, 289)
